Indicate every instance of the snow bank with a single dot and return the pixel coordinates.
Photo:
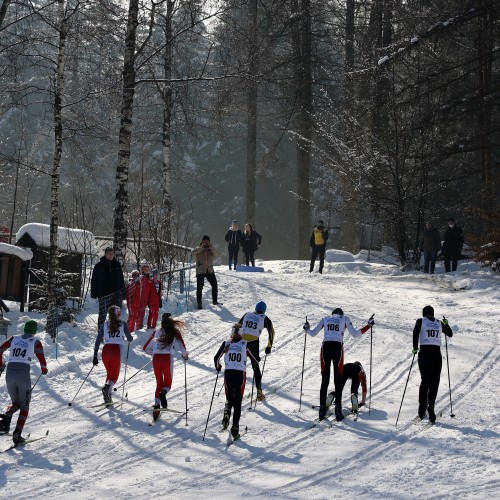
(22, 253)
(338, 256)
(70, 240)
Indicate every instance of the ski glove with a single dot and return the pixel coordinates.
(371, 322)
(44, 371)
(95, 361)
(268, 350)
(445, 321)
(185, 357)
(218, 368)
(306, 326)
(414, 351)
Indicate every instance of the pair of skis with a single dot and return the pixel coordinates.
(27, 441)
(161, 410)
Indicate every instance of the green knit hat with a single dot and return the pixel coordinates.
(31, 327)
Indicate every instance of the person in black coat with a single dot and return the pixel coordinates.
(452, 246)
(107, 285)
(233, 238)
(430, 244)
(250, 242)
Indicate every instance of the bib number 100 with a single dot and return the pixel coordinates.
(235, 356)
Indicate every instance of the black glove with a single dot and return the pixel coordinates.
(268, 350)
(45, 371)
(95, 361)
(218, 368)
(371, 322)
(306, 326)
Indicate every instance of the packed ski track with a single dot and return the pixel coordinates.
(99, 453)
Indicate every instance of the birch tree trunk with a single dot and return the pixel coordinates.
(167, 126)
(56, 165)
(121, 211)
(251, 183)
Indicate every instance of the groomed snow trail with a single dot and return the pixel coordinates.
(114, 452)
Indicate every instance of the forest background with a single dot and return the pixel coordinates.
(168, 119)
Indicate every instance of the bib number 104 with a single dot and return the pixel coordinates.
(18, 352)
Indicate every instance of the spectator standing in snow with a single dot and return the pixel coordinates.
(332, 351)
(452, 245)
(107, 284)
(23, 348)
(317, 241)
(161, 345)
(430, 244)
(427, 334)
(205, 254)
(252, 324)
(155, 298)
(138, 291)
(113, 333)
(146, 285)
(233, 238)
(235, 352)
(251, 240)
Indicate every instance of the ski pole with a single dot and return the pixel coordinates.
(125, 373)
(371, 350)
(303, 363)
(210, 409)
(262, 375)
(186, 390)
(401, 405)
(84, 380)
(26, 399)
(449, 383)
(130, 378)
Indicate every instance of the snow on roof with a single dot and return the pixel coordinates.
(69, 240)
(22, 253)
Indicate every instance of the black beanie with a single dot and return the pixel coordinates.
(205, 238)
(428, 311)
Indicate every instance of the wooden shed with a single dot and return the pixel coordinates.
(74, 245)
(14, 268)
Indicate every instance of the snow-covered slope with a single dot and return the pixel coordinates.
(116, 453)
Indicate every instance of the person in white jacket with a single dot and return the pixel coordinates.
(162, 344)
(332, 351)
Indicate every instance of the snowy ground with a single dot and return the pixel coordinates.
(116, 453)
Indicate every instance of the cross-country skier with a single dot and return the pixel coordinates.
(113, 333)
(356, 373)
(235, 351)
(161, 345)
(427, 333)
(23, 349)
(252, 324)
(332, 350)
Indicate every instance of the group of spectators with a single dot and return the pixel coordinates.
(143, 290)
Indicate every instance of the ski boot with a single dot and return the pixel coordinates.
(432, 415)
(106, 394)
(322, 412)
(226, 417)
(17, 438)
(156, 412)
(5, 423)
(421, 411)
(260, 395)
(354, 402)
(338, 413)
(235, 432)
(163, 399)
